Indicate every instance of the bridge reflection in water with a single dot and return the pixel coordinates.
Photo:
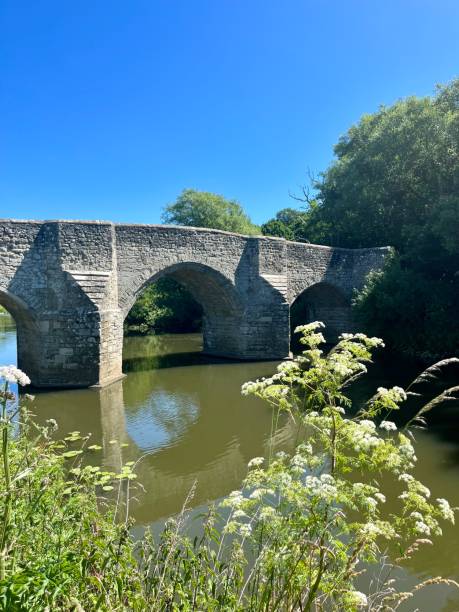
(189, 422)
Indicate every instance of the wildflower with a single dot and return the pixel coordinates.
(423, 490)
(245, 530)
(256, 461)
(367, 424)
(406, 478)
(422, 528)
(309, 327)
(14, 375)
(267, 513)
(357, 598)
(234, 499)
(445, 509)
(52, 424)
(388, 425)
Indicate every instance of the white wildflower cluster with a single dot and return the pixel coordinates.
(414, 488)
(14, 375)
(267, 513)
(446, 512)
(370, 342)
(357, 599)
(234, 500)
(299, 463)
(245, 530)
(256, 462)
(340, 365)
(286, 367)
(305, 448)
(323, 486)
(252, 387)
(422, 528)
(367, 495)
(373, 529)
(422, 489)
(365, 437)
(406, 450)
(393, 396)
(309, 327)
(388, 426)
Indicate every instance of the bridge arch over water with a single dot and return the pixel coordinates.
(217, 294)
(70, 285)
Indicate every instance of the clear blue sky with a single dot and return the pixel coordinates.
(108, 109)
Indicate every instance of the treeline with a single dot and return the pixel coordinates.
(395, 181)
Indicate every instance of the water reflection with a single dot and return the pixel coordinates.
(189, 423)
(184, 414)
(7, 340)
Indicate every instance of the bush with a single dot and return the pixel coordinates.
(415, 312)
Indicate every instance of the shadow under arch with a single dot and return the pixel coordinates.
(28, 350)
(321, 302)
(219, 299)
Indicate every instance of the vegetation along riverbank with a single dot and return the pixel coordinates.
(297, 534)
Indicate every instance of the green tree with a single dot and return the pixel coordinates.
(392, 173)
(288, 223)
(165, 306)
(204, 209)
(395, 181)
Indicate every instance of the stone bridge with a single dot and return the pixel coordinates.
(70, 284)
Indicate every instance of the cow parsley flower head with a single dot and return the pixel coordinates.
(256, 462)
(445, 509)
(388, 425)
(422, 528)
(14, 375)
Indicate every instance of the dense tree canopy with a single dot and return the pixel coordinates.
(395, 181)
(288, 223)
(396, 172)
(204, 209)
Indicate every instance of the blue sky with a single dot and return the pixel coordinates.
(108, 109)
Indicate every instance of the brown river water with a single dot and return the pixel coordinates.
(184, 414)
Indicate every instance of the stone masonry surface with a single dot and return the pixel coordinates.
(70, 284)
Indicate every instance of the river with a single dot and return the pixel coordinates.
(185, 415)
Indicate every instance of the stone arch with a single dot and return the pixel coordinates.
(324, 302)
(27, 340)
(219, 298)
